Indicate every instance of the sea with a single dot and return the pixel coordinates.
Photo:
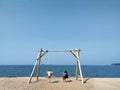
(112, 71)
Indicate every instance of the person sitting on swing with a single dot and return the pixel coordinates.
(65, 76)
(49, 75)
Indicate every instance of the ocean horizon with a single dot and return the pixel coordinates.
(112, 71)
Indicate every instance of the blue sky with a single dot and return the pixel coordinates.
(28, 25)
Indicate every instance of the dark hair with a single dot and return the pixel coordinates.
(65, 71)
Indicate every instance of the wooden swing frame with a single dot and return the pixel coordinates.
(42, 52)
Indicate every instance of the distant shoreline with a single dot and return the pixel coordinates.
(115, 64)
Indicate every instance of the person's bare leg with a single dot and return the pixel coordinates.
(49, 80)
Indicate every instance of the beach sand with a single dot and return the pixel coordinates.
(21, 83)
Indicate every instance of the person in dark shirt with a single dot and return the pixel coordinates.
(65, 76)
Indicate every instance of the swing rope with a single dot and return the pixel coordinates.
(50, 66)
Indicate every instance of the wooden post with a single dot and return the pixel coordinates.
(81, 76)
(36, 62)
(77, 63)
(77, 55)
(38, 70)
(38, 73)
(80, 72)
(33, 71)
(76, 70)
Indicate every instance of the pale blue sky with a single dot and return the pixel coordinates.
(91, 25)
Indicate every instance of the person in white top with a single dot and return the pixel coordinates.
(49, 75)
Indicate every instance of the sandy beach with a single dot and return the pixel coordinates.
(21, 83)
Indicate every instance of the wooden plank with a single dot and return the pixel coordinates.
(60, 50)
(76, 70)
(39, 65)
(33, 71)
(38, 71)
(81, 76)
(74, 54)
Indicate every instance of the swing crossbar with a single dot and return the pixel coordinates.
(60, 50)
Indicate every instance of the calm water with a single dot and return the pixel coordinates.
(88, 70)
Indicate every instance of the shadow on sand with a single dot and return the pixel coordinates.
(68, 80)
(86, 79)
(54, 81)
